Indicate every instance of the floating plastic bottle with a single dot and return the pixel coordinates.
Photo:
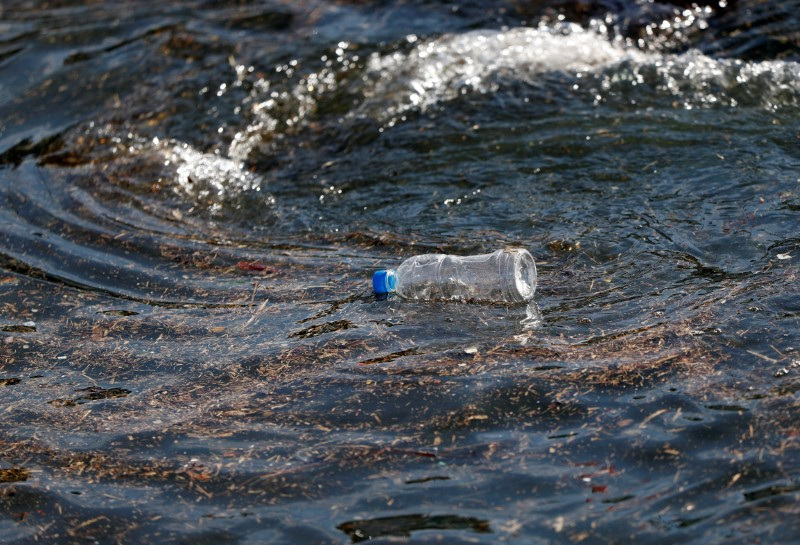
(504, 276)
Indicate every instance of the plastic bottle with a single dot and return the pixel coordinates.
(504, 276)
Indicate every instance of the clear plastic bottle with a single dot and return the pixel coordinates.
(504, 276)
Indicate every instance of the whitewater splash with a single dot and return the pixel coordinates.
(207, 174)
(421, 74)
(207, 179)
(431, 72)
(441, 69)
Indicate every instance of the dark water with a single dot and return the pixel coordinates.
(194, 195)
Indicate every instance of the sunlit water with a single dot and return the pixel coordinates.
(195, 196)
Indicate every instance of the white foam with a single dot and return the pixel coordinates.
(698, 80)
(207, 178)
(440, 69)
(207, 174)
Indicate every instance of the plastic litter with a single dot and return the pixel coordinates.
(505, 276)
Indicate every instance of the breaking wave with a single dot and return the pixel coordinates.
(420, 74)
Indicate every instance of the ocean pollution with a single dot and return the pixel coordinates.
(195, 195)
(505, 276)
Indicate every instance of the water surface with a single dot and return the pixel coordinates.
(194, 196)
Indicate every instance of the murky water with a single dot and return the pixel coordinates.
(194, 195)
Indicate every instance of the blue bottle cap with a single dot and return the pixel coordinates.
(384, 281)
